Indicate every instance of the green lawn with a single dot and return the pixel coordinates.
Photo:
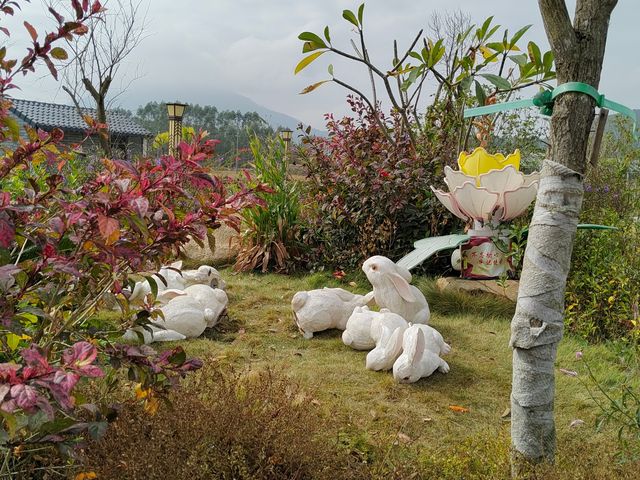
(414, 424)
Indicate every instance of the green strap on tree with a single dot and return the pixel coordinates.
(546, 98)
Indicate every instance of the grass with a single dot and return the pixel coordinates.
(404, 430)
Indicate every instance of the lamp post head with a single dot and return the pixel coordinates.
(286, 135)
(176, 110)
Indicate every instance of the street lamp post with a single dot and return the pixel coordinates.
(286, 135)
(176, 112)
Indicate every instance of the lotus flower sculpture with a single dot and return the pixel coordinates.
(488, 189)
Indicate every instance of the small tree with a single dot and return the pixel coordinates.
(96, 59)
(537, 326)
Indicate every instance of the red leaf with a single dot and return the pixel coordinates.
(31, 30)
(109, 229)
(96, 7)
(7, 231)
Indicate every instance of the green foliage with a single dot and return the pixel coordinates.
(603, 288)
(233, 128)
(619, 406)
(271, 232)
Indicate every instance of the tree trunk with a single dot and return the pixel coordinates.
(537, 325)
(99, 96)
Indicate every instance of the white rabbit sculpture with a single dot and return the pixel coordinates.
(365, 327)
(392, 290)
(422, 346)
(173, 277)
(186, 314)
(214, 299)
(388, 349)
(325, 308)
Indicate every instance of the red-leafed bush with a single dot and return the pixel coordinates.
(64, 247)
(370, 194)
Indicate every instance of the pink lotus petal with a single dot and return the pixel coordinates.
(517, 201)
(475, 202)
(454, 178)
(500, 181)
(531, 178)
(448, 201)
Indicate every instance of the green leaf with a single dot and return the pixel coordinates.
(313, 38)
(154, 286)
(547, 60)
(59, 53)
(416, 55)
(178, 357)
(326, 34)
(310, 47)
(330, 69)
(520, 59)
(14, 128)
(499, 82)
(518, 35)
(306, 61)
(497, 46)
(13, 341)
(312, 87)
(491, 32)
(360, 12)
(485, 26)
(480, 95)
(350, 17)
(436, 53)
(534, 53)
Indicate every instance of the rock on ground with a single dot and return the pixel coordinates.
(222, 251)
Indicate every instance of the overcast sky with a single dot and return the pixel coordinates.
(250, 47)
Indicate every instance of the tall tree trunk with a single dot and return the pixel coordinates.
(537, 326)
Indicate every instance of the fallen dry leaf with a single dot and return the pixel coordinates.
(315, 402)
(506, 413)
(569, 373)
(458, 409)
(427, 419)
(403, 438)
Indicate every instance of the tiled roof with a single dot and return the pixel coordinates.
(66, 117)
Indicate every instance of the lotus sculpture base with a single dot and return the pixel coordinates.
(482, 259)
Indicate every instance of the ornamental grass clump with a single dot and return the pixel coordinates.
(271, 231)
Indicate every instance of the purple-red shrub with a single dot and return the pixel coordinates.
(370, 194)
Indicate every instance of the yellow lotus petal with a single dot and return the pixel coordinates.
(480, 161)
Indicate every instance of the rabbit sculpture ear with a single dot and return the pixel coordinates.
(403, 272)
(402, 286)
(394, 344)
(416, 348)
(169, 294)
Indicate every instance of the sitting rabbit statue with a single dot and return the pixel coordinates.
(392, 290)
(388, 349)
(325, 308)
(365, 327)
(422, 346)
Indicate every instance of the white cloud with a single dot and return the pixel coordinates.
(250, 47)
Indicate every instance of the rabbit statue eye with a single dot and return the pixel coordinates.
(406, 378)
(374, 267)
